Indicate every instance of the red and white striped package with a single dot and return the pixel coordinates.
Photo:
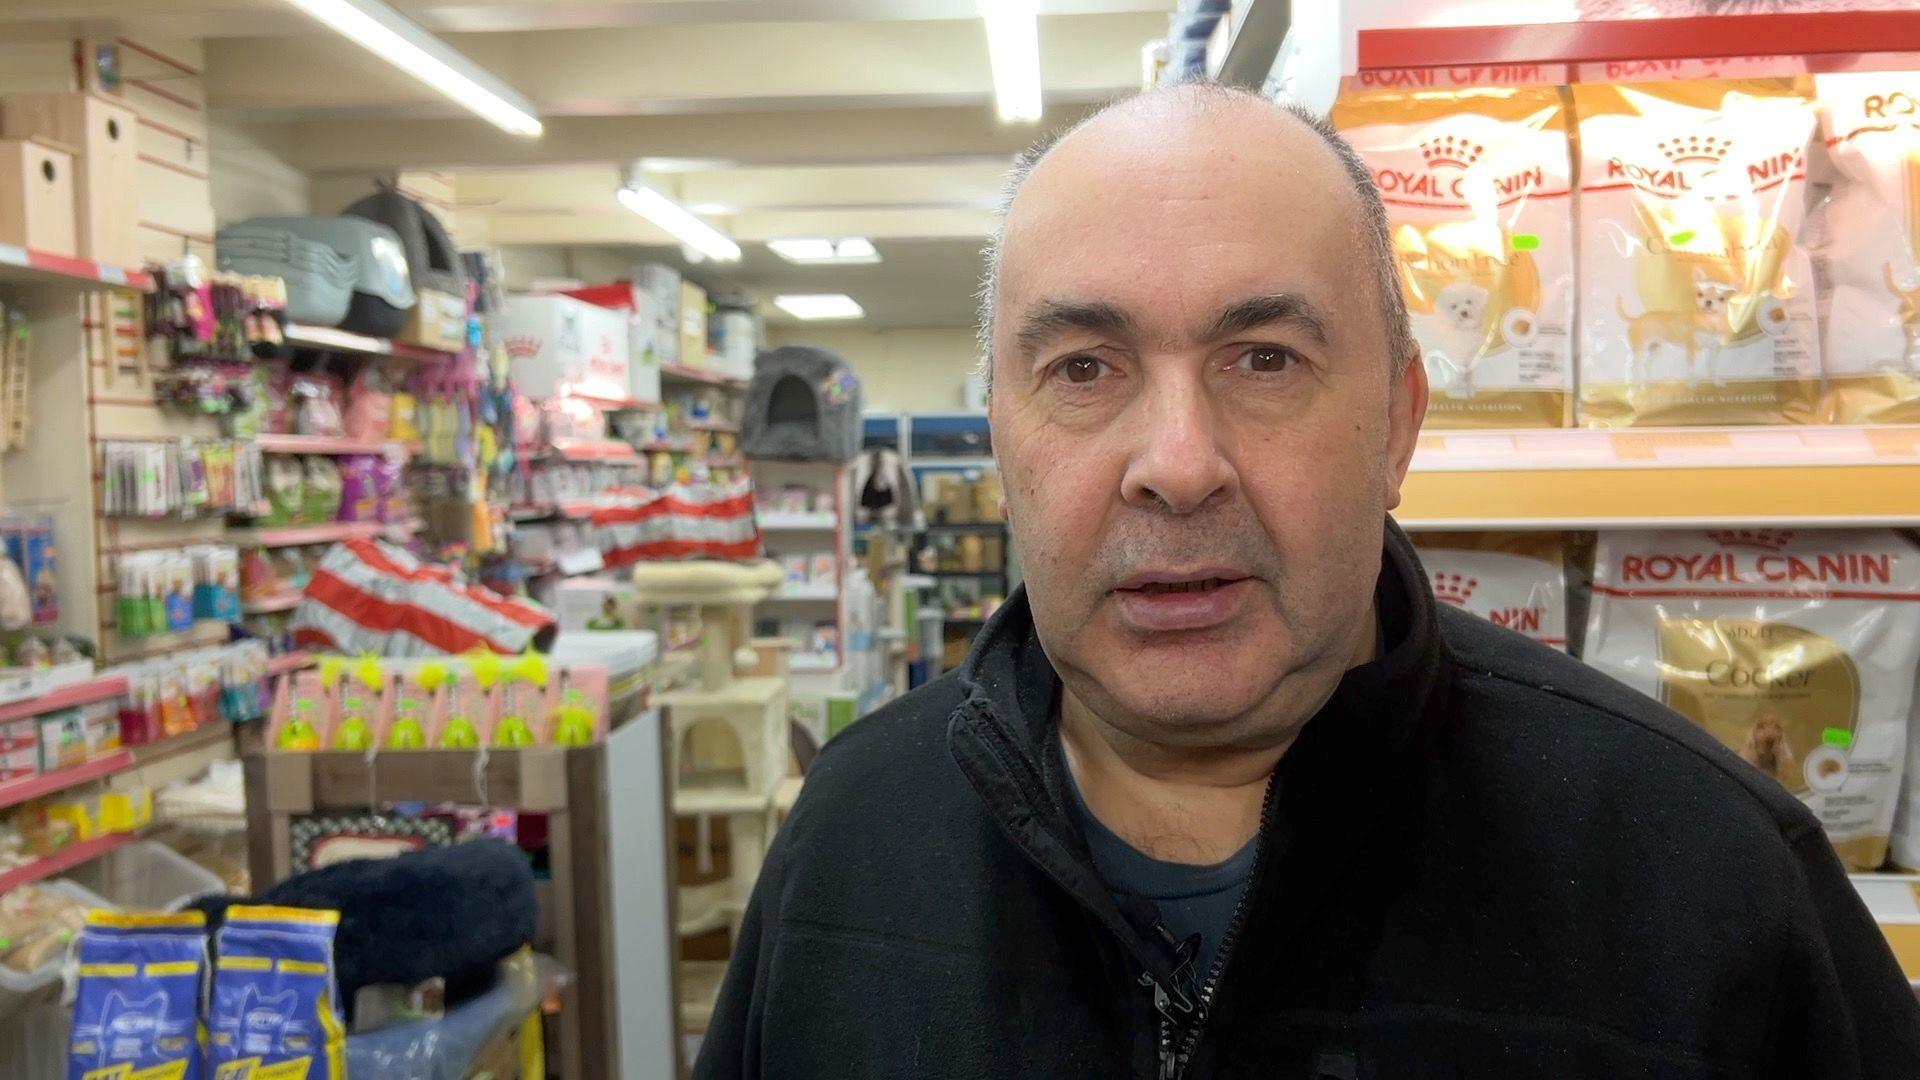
(370, 597)
(713, 521)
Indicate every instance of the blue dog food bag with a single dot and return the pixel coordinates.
(136, 1013)
(275, 1013)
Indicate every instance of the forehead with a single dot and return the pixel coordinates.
(1175, 209)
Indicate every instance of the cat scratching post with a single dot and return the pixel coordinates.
(728, 744)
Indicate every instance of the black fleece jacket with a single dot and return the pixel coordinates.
(1480, 859)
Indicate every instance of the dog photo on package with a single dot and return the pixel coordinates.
(1476, 185)
(1697, 303)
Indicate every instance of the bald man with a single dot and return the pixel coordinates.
(1221, 792)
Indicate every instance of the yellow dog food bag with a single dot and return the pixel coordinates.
(1795, 649)
(1697, 303)
(1477, 188)
(1869, 246)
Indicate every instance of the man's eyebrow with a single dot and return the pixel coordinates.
(1052, 317)
(1260, 311)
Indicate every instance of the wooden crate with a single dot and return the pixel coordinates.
(36, 196)
(104, 135)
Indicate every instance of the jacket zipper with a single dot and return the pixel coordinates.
(1180, 1036)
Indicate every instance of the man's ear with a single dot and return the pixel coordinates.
(1406, 411)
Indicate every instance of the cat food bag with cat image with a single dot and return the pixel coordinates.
(275, 1008)
(1795, 649)
(1515, 580)
(136, 1007)
(1865, 240)
(1697, 303)
(1477, 188)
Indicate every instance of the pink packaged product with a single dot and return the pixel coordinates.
(390, 481)
(369, 412)
(577, 707)
(360, 498)
(302, 717)
(316, 405)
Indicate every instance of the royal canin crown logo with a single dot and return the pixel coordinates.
(1453, 589)
(1757, 539)
(1458, 152)
(522, 348)
(1682, 149)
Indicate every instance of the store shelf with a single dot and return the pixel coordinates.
(614, 403)
(288, 662)
(667, 446)
(1256, 41)
(727, 426)
(66, 697)
(725, 461)
(1809, 34)
(594, 450)
(172, 746)
(326, 444)
(15, 792)
(328, 339)
(684, 373)
(812, 663)
(1664, 478)
(25, 266)
(332, 532)
(286, 601)
(807, 591)
(797, 521)
(64, 860)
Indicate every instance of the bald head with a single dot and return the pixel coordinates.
(1205, 128)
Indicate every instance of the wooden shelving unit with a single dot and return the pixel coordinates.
(328, 339)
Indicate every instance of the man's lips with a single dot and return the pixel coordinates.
(1196, 599)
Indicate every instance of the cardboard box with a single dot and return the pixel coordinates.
(693, 325)
(63, 740)
(643, 330)
(36, 196)
(19, 764)
(103, 135)
(557, 344)
(438, 321)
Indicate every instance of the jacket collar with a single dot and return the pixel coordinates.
(1353, 753)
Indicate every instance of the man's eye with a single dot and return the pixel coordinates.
(1268, 359)
(1080, 369)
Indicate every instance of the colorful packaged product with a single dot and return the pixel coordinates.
(136, 1011)
(1477, 186)
(275, 1008)
(1697, 304)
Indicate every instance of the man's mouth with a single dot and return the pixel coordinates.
(1201, 585)
(1163, 602)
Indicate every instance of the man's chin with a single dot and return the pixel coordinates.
(1192, 706)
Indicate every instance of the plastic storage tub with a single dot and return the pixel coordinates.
(147, 876)
(319, 281)
(19, 988)
(383, 290)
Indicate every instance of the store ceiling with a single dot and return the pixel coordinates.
(792, 117)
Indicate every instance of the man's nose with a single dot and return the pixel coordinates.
(1177, 461)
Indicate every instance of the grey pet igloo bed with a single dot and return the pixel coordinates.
(803, 405)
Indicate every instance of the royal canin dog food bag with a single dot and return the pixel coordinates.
(1515, 580)
(1795, 649)
(1697, 302)
(1478, 189)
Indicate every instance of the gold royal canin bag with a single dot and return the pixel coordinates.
(1795, 649)
(1697, 304)
(1477, 187)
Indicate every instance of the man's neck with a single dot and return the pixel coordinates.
(1185, 804)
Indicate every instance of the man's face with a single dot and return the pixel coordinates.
(1196, 421)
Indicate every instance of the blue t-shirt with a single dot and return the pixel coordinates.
(1191, 899)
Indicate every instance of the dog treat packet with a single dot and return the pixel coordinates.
(1476, 184)
(1515, 580)
(137, 1004)
(1866, 242)
(275, 1008)
(1697, 305)
(1795, 649)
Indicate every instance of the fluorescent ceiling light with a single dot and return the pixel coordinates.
(676, 219)
(853, 249)
(820, 306)
(1013, 45)
(394, 38)
(710, 208)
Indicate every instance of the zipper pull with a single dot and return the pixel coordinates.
(1172, 1026)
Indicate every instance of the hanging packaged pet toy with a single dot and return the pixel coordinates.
(361, 694)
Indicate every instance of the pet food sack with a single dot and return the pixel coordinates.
(1515, 580)
(1696, 301)
(1795, 649)
(1903, 850)
(1868, 246)
(1476, 184)
(137, 1006)
(275, 1009)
